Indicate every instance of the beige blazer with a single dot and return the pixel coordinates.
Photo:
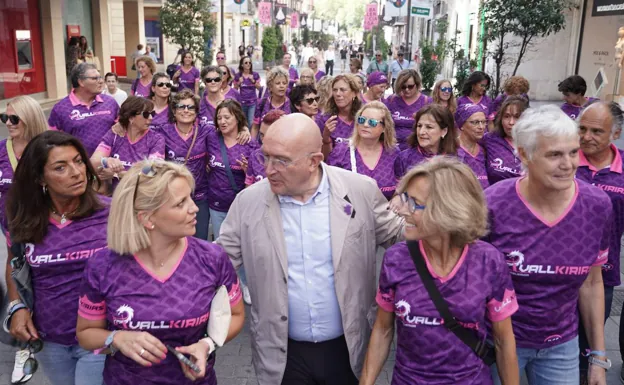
(252, 235)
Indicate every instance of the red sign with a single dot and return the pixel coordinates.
(73, 30)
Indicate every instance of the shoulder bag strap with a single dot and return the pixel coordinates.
(188, 154)
(468, 337)
(226, 162)
(352, 154)
(11, 153)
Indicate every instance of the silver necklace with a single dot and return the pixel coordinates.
(64, 215)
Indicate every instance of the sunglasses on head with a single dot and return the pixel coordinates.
(148, 171)
(408, 86)
(163, 84)
(188, 107)
(371, 122)
(312, 100)
(212, 80)
(446, 89)
(13, 118)
(147, 114)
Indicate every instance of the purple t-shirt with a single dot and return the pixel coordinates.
(6, 179)
(478, 290)
(220, 192)
(611, 181)
(407, 159)
(501, 161)
(232, 94)
(57, 265)
(548, 261)
(476, 164)
(119, 289)
(255, 170)
(87, 123)
(141, 89)
(343, 130)
(176, 148)
(485, 100)
(319, 75)
(403, 115)
(187, 79)
(206, 111)
(265, 106)
(248, 94)
(382, 172)
(293, 76)
(161, 118)
(574, 111)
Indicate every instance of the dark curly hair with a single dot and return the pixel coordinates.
(475, 78)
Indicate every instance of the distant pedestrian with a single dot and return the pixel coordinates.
(241, 50)
(343, 58)
(250, 51)
(84, 47)
(140, 51)
(73, 54)
(378, 64)
(146, 69)
(187, 75)
(330, 56)
(397, 66)
(573, 89)
(151, 54)
(112, 89)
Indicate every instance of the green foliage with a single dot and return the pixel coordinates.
(279, 36)
(463, 70)
(269, 44)
(345, 12)
(428, 66)
(189, 24)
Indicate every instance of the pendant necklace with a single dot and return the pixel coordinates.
(64, 215)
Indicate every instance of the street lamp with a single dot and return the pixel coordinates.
(222, 29)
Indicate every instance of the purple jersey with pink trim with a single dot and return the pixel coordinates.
(265, 106)
(57, 265)
(6, 179)
(485, 100)
(177, 147)
(140, 89)
(161, 118)
(119, 289)
(501, 161)
(188, 79)
(220, 192)
(403, 115)
(478, 290)
(476, 164)
(248, 90)
(255, 170)
(343, 130)
(574, 111)
(206, 111)
(293, 76)
(611, 181)
(87, 123)
(548, 261)
(407, 159)
(382, 172)
(319, 75)
(233, 94)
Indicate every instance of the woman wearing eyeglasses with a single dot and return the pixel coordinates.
(313, 65)
(227, 91)
(160, 95)
(277, 85)
(443, 95)
(142, 85)
(153, 287)
(445, 213)
(212, 77)
(255, 167)
(472, 123)
(339, 118)
(187, 75)
(53, 209)
(405, 103)
(248, 83)
(306, 78)
(474, 90)
(372, 149)
(434, 134)
(115, 154)
(377, 84)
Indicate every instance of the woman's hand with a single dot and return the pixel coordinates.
(22, 326)
(118, 129)
(199, 356)
(596, 375)
(243, 137)
(176, 75)
(114, 165)
(243, 163)
(142, 347)
(330, 127)
(395, 204)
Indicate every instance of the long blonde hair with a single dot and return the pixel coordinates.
(388, 136)
(31, 114)
(452, 102)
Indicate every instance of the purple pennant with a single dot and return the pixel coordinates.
(348, 209)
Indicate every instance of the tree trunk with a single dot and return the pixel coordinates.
(526, 40)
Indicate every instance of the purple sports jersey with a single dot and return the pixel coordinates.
(57, 265)
(6, 179)
(138, 88)
(265, 106)
(255, 170)
(177, 148)
(485, 100)
(495, 105)
(501, 161)
(122, 291)
(478, 290)
(220, 192)
(161, 118)
(476, 163)
(407, 159)
(293, 76)
(188, 78)
(382, 171)
(548, 261)
(87, 123)
(318, 75)
(206, 111)
(248, 94)
(403, 115)
(343, 130)
(574, 111)
(151, 145)
(232, 94)
(611, 181)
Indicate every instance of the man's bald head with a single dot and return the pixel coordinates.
(297, 132)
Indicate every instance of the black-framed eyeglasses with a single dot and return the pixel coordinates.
(446, 89)
(14, 119)
(246, 62)
(147, 114)
(220, 57)
(312, 100)
(149, 171)
(31, 364)
(96, 78)
(400, 55)
(212, 80)
(188, 107)
(163, 84)
(408, 87)
(371, 122)
(411, 204)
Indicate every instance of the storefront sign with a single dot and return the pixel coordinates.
(608, 7)
(421, 11)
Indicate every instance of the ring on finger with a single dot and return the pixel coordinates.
(141, 353)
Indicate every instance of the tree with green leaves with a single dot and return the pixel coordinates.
(269, 45)
(190, 25)
(499, 20)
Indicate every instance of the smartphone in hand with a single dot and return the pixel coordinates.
(185, 360)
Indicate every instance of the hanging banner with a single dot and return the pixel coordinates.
(264, 13)
(396, 8)
(370, 17)
(303, 20)
(280, 15)
(294, 20)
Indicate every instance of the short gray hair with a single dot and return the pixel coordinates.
(548, 121)
(614, 109)
(79, 72)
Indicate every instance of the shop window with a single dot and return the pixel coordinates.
(24, 47)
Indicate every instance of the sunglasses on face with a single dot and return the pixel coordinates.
(163, 84)
(312, 100)
(371, 122)
(378, 55)
(446, 89)
(188, 107)
(408, 87)
(412, 206)
(147, 114)
(13, 118)
(220, 57)
(312, 61)
(486, 86)
(246, 62)
(212, 80)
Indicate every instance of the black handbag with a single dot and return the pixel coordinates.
(468, 337)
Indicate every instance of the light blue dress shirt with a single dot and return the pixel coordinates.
(395, 67)
(313, 310)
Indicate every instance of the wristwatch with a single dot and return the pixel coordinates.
(108, 343)
(605, 364)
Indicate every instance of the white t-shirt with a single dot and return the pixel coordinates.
(330, 55)
(120, 95)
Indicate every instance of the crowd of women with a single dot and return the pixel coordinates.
(518, 264)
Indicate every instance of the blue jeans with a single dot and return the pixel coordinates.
(249, 112)
(70, 365)
(583, 343)
(557, 365)
(217, 218)
(203, 220)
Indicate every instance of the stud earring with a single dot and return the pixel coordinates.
(153, 226)
(45, 189)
